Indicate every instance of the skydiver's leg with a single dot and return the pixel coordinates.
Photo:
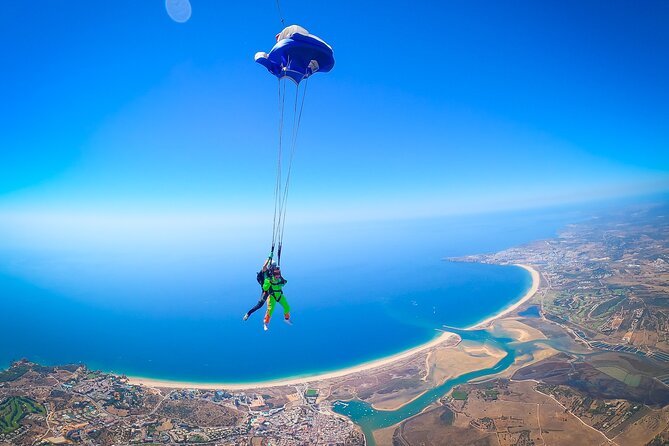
(261, 302)
(286, 308)
(271, 303)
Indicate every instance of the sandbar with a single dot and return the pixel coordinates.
(445, 337)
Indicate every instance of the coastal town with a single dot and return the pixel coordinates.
(606, 282)
(74, 405)
(591, 366)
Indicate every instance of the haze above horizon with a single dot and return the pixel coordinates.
(115, 109)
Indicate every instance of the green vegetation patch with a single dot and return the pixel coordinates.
(491, 394)
(14, 409)
(311, 393)
(614, 372)
(622, 375)
(14, 372)
(633, 380)
(605, 307)
(460, 395)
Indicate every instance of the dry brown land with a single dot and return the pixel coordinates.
(385, 436)
(520, 415)
(644, 430)
(430, 429)
(200, 413)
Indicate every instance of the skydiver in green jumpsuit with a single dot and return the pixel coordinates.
(274, 287)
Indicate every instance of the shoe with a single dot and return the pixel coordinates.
(246, 316)
(287, 321)
(265, 327)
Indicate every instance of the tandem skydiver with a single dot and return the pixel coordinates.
(297, 55)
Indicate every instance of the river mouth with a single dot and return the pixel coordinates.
(370, 419)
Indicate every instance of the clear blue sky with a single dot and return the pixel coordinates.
(112, 108)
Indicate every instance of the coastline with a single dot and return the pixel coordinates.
(443, 338)
(536, 279)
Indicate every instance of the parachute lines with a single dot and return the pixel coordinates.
(277, 186)
(296, 129)
(282, 187)
(297, 55)
(278, 7)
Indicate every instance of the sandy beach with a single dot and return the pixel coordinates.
(445, 337)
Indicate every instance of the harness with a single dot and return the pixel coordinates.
(275, 289)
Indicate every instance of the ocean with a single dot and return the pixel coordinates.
(172, 308)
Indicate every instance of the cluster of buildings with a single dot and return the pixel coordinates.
(10, 437)
(602, 280)
(84, 407)
(167, 433)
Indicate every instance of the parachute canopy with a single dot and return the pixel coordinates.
(297, 55)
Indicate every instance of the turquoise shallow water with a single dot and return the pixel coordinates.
(174, 312)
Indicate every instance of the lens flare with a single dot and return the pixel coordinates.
(178, 10)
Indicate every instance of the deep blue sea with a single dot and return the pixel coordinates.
(172, 307)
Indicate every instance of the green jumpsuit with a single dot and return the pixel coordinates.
(274, 287)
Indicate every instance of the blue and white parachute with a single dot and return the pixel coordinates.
(297, 55)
